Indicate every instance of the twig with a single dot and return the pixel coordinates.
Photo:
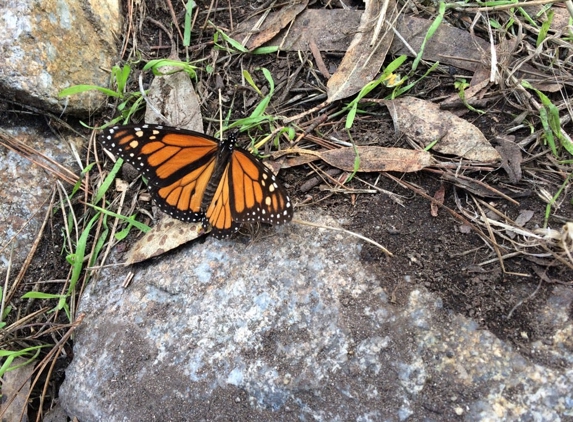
(38, 158)
(32, 252)
(340, 229)
(521, 302)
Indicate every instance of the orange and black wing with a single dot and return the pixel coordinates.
(178, 164)
(247, 192)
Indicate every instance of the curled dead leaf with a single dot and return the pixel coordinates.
(166, 235)
(275, 23)
(424, 122)
(439, 197)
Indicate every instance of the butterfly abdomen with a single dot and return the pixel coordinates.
(221, 163)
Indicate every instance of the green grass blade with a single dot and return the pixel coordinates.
(155, 65)
(544, 29)
(77, 89)
(140, 226)
(100, 242)
(353, 105)
(122, 234)
(41, 295)
(265, 50)
(554, 199)
(108, 181)
(269, 77)
(249, 78)
(187, 28)
(77, 259)
(400, 90)
(233, 43)
(79, 182)
(431, 31)
(11, 355)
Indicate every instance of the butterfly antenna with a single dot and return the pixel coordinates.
(220, 116)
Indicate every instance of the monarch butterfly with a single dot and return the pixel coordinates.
(193, 177)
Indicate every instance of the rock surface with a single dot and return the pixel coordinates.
(26, 189)
(294, 327)
(46, 46)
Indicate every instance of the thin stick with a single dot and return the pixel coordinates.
(32, 252)
(6, 283)
(521, 302)
(491, 235)
(340, 229)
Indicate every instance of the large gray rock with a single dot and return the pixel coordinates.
(293, 327)
(26, 189)
(46, 46)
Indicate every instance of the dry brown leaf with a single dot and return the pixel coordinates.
(478, 85)
(425, 122)
(523, 217)
(510, 158)
(439, 197)
(377, 159)
(313, 24)
(175, 98)
(167, 234)
(449, 45)
(15, 391)
(366, 53)
(275, 22)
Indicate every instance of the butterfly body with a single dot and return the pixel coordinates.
(194, 177)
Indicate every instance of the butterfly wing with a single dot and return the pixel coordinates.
(178, 164)
(247, 192)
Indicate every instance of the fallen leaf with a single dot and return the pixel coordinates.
(448, 45)
(439, 197)
(167, 234)
(175, 98)
(318, 59)
(313, 24)
(299, 160)
(15, 390)
(366, 53)
(374, 159)
(275, 22)
(478, 85)
(424, 122)
(523, 217)
(510, 158)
